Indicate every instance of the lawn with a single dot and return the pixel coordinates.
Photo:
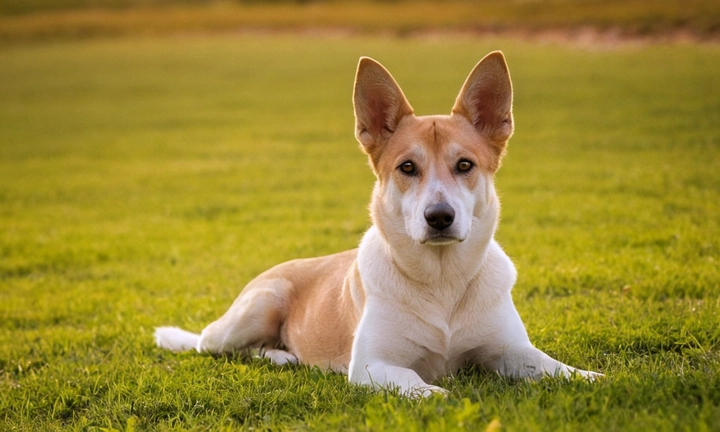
(144, 181)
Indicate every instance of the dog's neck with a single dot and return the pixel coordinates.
(445, 266)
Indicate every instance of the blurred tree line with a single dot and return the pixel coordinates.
(13, 7)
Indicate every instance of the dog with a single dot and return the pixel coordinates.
(428, 289)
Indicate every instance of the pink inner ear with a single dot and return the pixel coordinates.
(486, 98)
(489, 106)
(378, 111)
(379, 102)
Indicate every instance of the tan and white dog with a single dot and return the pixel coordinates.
(428, 289)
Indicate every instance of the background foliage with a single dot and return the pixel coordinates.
(577, 19)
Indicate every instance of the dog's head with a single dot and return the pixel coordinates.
(435, 173)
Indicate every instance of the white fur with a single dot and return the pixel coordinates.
(175, 339)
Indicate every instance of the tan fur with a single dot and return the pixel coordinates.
(321, 321)
(428, 290)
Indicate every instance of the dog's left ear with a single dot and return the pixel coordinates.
(486, 101)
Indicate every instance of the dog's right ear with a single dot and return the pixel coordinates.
(379, 105)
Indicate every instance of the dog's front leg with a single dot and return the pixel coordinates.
(510, 352)
(526, 361)
(381, 356)
(379, 375)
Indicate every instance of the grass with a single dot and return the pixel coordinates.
(143, 182)
(53, 19)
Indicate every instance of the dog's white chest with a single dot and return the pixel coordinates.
(447, 344)
(438, 325)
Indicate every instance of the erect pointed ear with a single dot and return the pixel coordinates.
(486, 100)
(379, 104)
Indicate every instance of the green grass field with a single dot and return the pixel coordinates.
(143, 182)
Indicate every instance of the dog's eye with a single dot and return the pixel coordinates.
(408, 168)
(464, 165)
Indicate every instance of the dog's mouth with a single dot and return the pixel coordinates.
(440, 239)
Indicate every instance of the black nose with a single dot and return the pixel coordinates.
(439, 216)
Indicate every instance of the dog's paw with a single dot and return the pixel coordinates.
(427, 391)
(588, 375)
(594, 376)
(280, 357)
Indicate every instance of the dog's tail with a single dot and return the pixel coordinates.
(176, 339)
